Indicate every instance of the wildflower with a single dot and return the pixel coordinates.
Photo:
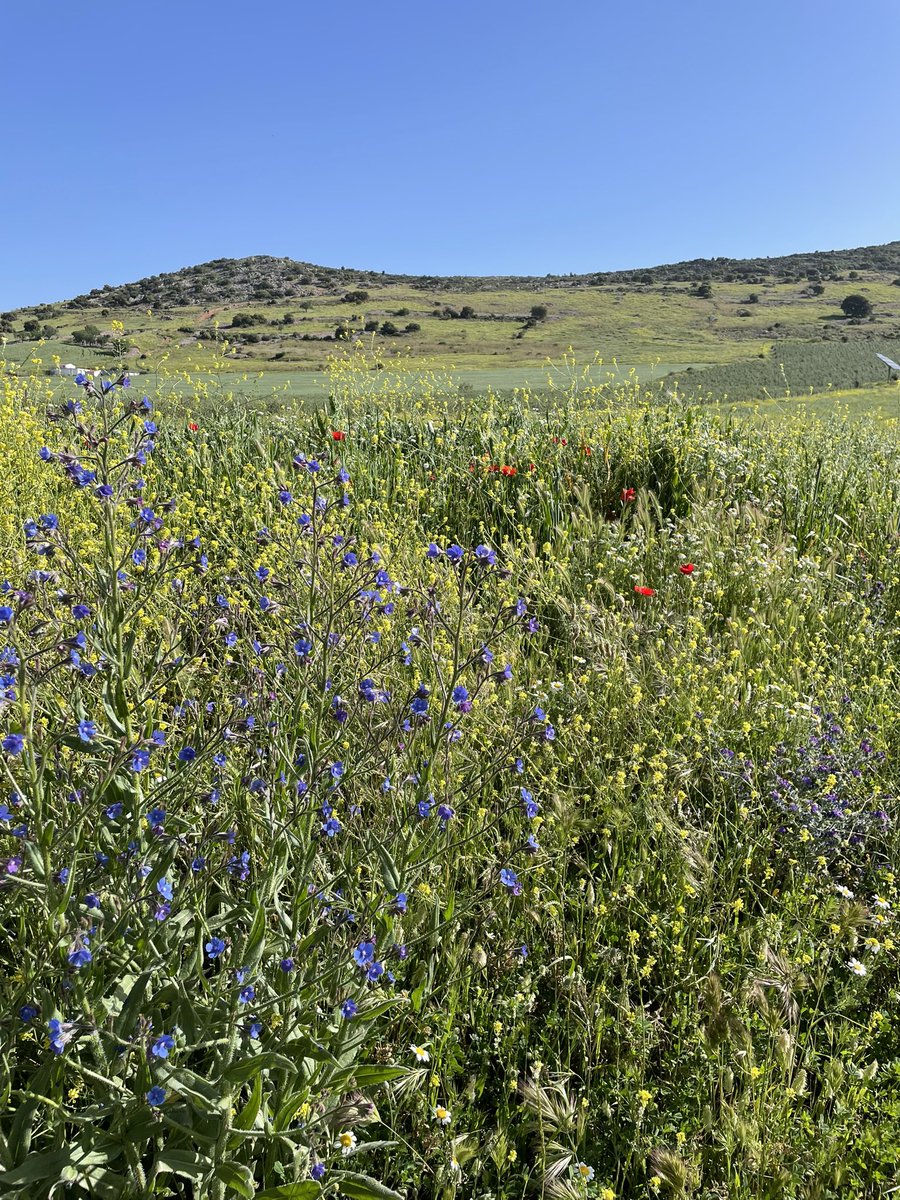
(60, 1034)
(844, 892)
(87, 730)
(510, 880)
(338, 435)
(286, 965)
(164, 887)
(455, 553)
(246, 994)
(156, 818)
(856, 967)
(585, 1173)
(80, 612)
(27, 1013)
(193, 426)
(880, 902)
(156, 1096)
(442, 1115)
(347, 1142)
(80, 957)
(364, 954)
(214, 947)
(6, 614)
(644, 591)
(317, 1172)
(485, 557)
(349, 1008)
(187, 754)
(140, 760)
(687, 568)
(163, 1044)
(13, 744)
(420, 1053)
(627, 495)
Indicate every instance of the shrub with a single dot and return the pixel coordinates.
(856, 306)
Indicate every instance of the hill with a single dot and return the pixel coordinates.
(759, 322)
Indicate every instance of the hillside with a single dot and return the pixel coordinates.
(760, 323)
(263, 278)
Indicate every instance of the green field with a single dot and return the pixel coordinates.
(431, 794)
(746, 339)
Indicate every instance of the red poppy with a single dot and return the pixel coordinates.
(587, 452)
(628, 495)
(644, 591)
(687, 568)
(532, 467)
(193, 426)
(338, 435)
(508, 471)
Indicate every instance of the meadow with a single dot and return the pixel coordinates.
(427, 794)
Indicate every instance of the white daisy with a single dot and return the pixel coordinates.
(346, 1141)
(421, 1053)
(857, 967)
(844, 891)
(442, 1115)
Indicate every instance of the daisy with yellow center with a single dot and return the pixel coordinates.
(347, 1142)
(585, 1173)
(442, 1115)
(420, 1053)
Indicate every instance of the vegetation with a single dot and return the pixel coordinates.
(436, 797)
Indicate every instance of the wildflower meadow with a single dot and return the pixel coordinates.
(433, 795)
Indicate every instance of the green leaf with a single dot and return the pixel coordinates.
(188, 1163)
(246, 1118)
(237, 1177)
(267, 1060)
(307, 1190)
(37, 1167)
(364, 1187)
(368, 1077)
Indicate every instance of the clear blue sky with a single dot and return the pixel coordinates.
(500, 136)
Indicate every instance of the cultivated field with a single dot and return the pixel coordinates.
(423, 793)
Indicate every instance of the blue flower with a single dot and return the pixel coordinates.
(285, 497)
(156, 1096)
(60, 1034)
(164, 887)
(79, 957)
(446, 813)
(349, 1008)
(92, 900)
(317, 1171)
(198, 863)
(510, 880)
(139, 557)
(114, 811)
(337, 770)
(187, 754)
(6, 614)
(27, 1013)
(302, 648)
(13, 744)
(287, 965)
(156, 817)
(254, 1029)
(214, 947)
(455, 553)
(140, 759)
(400, 902)
(331, 826)
(163, 1044)
(246, 994)
(433, 551)
(484, 556)
(350, 559)
(87, 730)
(364, 954)
(80, 612)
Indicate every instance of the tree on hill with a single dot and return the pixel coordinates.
(538, 312)
(856, 306)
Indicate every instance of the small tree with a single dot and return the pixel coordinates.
(856, 306)
(538, 312)
(243, 320)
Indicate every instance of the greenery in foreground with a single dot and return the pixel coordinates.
(440, 798)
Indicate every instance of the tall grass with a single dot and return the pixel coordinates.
(559, 738)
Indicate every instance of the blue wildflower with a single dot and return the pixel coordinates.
(156, 1096)
(163, 1044)
(214, 947)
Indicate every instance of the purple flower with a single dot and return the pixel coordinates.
(163, 1044)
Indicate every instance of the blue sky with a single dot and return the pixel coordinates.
(482, 137)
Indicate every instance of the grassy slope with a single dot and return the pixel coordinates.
(664, 327)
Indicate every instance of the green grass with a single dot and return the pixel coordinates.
(708, 901)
